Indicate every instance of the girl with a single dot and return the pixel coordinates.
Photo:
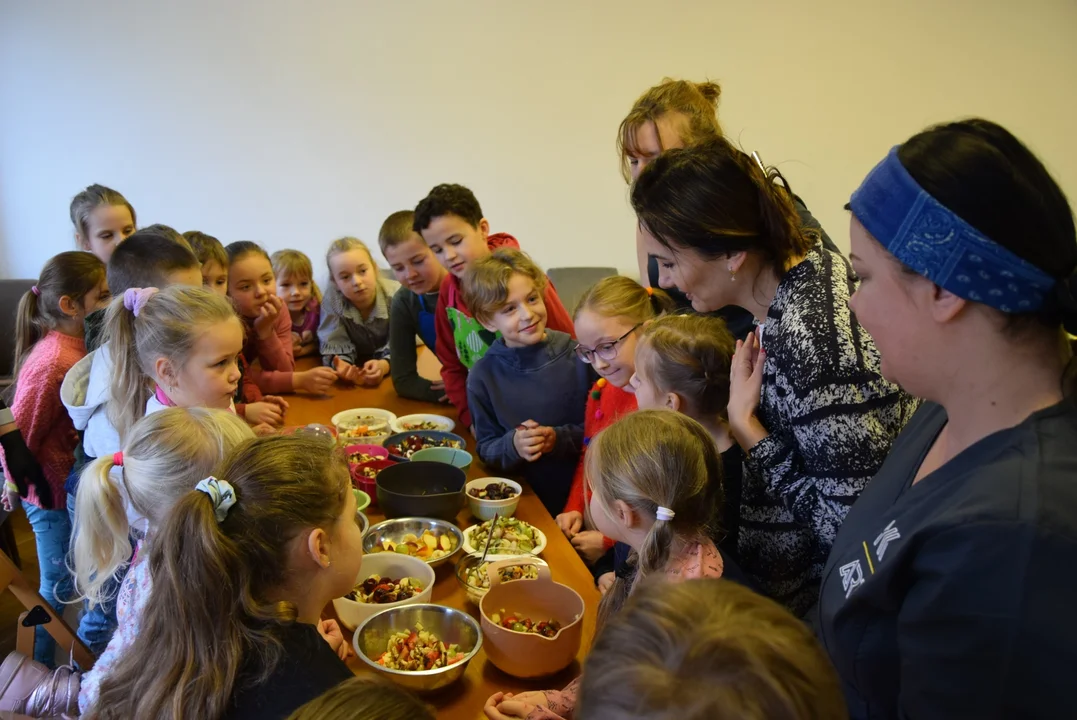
(252, 287)
(214, 260)
(242, 568)
(656, 482)
(707, 649)
(608, 320)
(166, 454)
(726, 234)
(103, 219)
(354, 330)
(948, 592)
(173, 347)
(296, 287)
(48, 342)
(362, 698)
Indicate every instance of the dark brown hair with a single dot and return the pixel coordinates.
(396, 230)
(447, 199)
(207, 248)
(690, 355)
(147, 257)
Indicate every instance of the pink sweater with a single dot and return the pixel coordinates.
(276, 364)
(42, 418)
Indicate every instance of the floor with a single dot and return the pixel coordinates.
(10, 608)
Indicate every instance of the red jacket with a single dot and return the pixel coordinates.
(453, 371)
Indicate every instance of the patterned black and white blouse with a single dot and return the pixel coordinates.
(832, 419)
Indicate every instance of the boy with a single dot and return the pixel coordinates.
(451, 222)
(528, 392)
(214, 259)
(413, 306)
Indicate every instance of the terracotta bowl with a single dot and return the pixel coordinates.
(527, 655)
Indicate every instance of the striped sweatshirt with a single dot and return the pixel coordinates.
(832, 419)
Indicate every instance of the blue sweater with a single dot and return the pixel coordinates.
(545, 383)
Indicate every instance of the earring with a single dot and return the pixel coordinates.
(732, 275)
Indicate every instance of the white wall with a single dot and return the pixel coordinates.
(292, 123)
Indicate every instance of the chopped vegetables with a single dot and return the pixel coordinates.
(511, 536)
(378, 590)
(430, 546)
(363, 427)
(493, 491)
(367, 472)
(361, 458)
(421, 425)
(477, 577)
(418, 650)
(518, 623)
(414, 443)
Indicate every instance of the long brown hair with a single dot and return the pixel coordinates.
(654, 458)
(74, 274)
(707, 649)
(696, 103)
(689, 355)
(211, 612)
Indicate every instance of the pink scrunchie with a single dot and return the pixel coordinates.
(134, 299)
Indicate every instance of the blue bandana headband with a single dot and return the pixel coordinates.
(934, 242)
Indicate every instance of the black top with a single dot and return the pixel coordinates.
(308, 667)
(957, 597)
(404, 325)
(94, 328)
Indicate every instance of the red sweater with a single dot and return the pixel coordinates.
(274, 356)
(453, 371)
(41, 416)
(612, 403)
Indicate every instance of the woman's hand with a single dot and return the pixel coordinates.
(570, 523)
(266, 322)
(373, 371)
(591, 545)
(315, 381)
(332, 634)
(745, 386)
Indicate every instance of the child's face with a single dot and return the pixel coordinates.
(211, 373)
(521, 319)
(215, 277)
(295, 291)
(648, 396)
(250, 283)
(415, 265)
(107, 227)
(603, 335)
(96, 299)
(604, 520)
(455, 243)
(356, 276)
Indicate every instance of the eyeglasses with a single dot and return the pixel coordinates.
(606, 351)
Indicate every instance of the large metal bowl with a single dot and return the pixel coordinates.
(449, 625)
(397, 528)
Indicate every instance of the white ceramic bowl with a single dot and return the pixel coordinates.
(391, 565)
(444, 424)
(469, 549)
(346, 416)
(486, 509)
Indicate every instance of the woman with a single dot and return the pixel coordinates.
(950, 590)
(810, 407)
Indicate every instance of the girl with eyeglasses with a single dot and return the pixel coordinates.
(607, 319)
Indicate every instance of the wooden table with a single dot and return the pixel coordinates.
(465, 698)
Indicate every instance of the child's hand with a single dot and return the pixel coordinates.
(265, 413)
(549, 439)
(373, 371)
(297, 342)
(263, 430)
(439, 386)
(315, 381)
(528, 441)
(605, 582)
(278, 401)
(591, 545)
(570, 523)
(331, 632)
(12, 501)
(265, 323)
(306, 337)
(346, 371)
(502, 706)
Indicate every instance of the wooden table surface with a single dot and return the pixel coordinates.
(464, 699)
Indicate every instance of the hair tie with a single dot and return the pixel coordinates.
(650, 291)
(221, 493)
(35, 291)
(134, 299)
(664, 513)
(117, 458)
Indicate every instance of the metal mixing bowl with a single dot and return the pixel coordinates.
(397, 528)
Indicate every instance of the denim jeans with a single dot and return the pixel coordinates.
(52, 531)
(98, 623)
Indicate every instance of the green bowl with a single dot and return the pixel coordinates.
(362, 500)
(448, 456)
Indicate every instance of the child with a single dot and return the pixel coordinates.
(412, 312)
(682, 364)
(707, 649)
(296, 287)
(131, 493)
(528, 393)
(656, 482)
(48, 342)
(364, 698)
(103, 219)
(252, 287)
(172, 347)
(608, 320)
(214, 259)
(354, 331)
(243, 566)
(451, 222)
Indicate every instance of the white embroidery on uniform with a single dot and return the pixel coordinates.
(887, 536)
(852, 577)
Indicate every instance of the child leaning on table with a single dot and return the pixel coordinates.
(656, 484)
(527, 394)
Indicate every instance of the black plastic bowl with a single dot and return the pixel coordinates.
(421, 489)
(428, 434)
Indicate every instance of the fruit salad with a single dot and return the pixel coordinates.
(379, 591)
(428, 546)
(517, 623)
(363, 427)
(421, 425)
(477, 577)
(511, 536)
(361, 458)
(418, 650)
(414, 443)
(493, 491)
